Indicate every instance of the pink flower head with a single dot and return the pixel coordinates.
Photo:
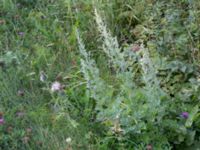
(1, 118)
(56, 86)
(135, 48)
(185, 115)
(1, 121)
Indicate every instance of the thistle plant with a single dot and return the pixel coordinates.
(131, 105)
(152, 88)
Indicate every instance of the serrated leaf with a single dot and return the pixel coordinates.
(192, 115)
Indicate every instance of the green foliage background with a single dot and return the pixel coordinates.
(40, 35)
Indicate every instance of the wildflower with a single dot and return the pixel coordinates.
(149, 147)
(68, 140)
(1, 118)
(135, 48)
(1, 121)
(185, 115)
(56, 86)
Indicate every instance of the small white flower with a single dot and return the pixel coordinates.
(68, 140)
(56, 86)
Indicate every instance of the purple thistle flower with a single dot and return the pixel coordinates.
(185, 115)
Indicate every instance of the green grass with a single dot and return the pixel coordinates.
(115, 108)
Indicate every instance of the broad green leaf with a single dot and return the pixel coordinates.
(192, 116)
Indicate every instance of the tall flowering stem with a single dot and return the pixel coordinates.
(95, 85)
(110, 45)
